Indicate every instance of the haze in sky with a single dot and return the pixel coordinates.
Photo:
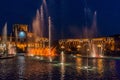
(68, 16)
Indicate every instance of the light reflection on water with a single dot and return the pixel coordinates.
(62, 66)
(21, 67)
(26, 68)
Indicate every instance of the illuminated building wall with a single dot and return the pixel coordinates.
(20, 27)
(25, 39)
(107, 43)
(117, 42)
(20, 32)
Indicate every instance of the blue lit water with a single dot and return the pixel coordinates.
(24, 68)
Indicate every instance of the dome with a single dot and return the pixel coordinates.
(22, 34)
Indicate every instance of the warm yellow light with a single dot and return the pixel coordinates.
(99, 45)
(78, 46)
(42, 51)
(62, 47)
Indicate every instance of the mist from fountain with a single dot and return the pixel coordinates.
(4, 34)
(37, 30)
(45, 6)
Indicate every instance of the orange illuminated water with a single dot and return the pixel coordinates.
(42, 52)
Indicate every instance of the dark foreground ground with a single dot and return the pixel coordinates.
(62, 68)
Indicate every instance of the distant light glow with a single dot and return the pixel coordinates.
(42, 52)
(101, 56)
(22, 34)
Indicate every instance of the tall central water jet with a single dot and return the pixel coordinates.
(49, 20)
(42, 20)
(49, 25)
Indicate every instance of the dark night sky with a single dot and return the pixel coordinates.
(67, 15)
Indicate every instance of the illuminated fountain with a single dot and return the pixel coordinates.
(41, 52)
(11, 49)
(49, 21)
(62, 66)
(3, 46)
(97, 50)
(93, 50)
(4, 35)
(62, 59)
(38, 30)
(6, 48)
